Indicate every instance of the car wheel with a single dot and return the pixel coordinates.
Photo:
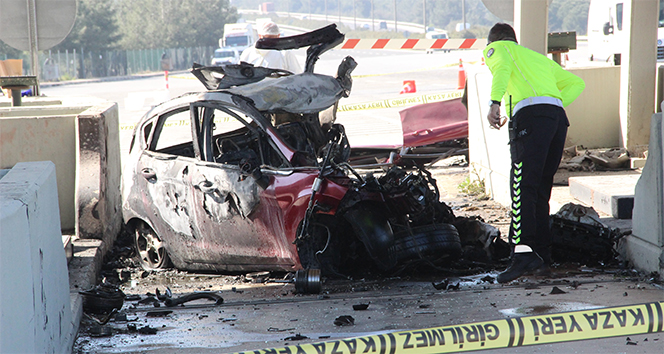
(149, 248)
(427, 242)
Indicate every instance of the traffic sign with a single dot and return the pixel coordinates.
(54, 20)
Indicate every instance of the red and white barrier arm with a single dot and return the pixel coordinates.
(447, 44)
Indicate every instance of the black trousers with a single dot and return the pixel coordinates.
(537, 140)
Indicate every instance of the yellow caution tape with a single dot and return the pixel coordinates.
(169, 124)
(506, 333)
(401, 101)
(415, 70)
(387, 103)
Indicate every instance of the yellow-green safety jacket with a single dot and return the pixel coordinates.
(523, 73)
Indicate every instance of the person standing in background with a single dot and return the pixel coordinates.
(535, 89)
(270, 58)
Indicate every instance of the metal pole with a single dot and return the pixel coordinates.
(424, 15)
(372, 16)
(463, 14)
(395, 16)
(32, 29)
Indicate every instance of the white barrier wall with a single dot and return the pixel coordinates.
(33, 134)
(645, 246)
(594, 123)
(35, 310)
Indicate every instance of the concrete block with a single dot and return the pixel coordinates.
(82, 138)
(43, 135)
(613, 195)
(98, 174)
(35, 312)
(646, 245)
(637, 163)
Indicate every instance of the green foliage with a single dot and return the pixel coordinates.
(149, 24)
(66, 77)
(564, 15)
(569, 15)
(7, 52)
(473, 186)
(95, 28)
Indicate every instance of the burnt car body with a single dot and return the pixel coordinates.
(253, 174)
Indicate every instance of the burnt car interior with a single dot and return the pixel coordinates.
(389, 218)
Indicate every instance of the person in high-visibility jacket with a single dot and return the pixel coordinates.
(535, 90)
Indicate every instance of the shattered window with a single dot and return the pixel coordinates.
(173, 135)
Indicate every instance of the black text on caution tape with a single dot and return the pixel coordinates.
(511, 332)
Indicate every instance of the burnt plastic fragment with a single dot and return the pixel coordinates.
(147, 330)
(226, 76)
(441, 286)
(344, 320)
(296, 337)
(133, 298)
(360, 307)
(195, 296)
(102, 299)
(158, 313)
(557, 290)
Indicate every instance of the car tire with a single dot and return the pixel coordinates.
(150, 250)
(427, 242)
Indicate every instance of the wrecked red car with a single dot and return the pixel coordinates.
(253, 174)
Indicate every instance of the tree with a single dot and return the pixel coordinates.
(95, 28)
(569, 15)
(7, 52)
(173, 23)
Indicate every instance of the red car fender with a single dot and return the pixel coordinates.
(294, 192)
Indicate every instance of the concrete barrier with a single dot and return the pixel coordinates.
(82, 140)
(645, 246)
(98, 198)
(35, 310)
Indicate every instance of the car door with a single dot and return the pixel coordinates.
(164, 177)
(237, 215)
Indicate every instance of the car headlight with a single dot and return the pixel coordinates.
(659, 43)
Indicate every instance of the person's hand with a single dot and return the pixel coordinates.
(495, 121)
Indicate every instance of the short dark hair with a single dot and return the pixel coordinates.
(502, 32)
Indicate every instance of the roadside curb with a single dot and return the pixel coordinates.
(83, 270)
(108, 79)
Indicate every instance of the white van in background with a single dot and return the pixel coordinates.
(606, 34)
(225, 56)
(436, 34)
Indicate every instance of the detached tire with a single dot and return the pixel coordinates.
(149, 248)
(427, 242)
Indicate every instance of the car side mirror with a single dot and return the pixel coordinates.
(608, 29)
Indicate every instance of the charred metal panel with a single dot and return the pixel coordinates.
(225, 192)
(302, 93)
(166, 186)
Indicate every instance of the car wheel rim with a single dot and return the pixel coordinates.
(151, 251)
